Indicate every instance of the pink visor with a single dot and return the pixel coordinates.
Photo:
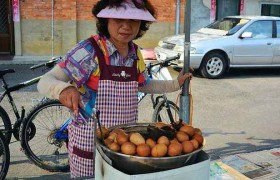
(126, 11)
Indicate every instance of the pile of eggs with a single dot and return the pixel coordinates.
(186, 140)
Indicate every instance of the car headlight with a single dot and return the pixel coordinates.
(192, 50)
(160, 43)
(179, 48)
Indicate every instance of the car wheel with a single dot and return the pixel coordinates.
(213, 66)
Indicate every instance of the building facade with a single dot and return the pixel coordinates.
(51, 27)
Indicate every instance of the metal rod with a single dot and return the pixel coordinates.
(177, 25)
(185, 98)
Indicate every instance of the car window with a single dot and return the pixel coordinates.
(232, 25)
(278, 28)
(260, 29)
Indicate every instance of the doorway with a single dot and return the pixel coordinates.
(227, 8)
(6, 28)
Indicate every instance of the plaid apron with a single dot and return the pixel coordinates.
(117, 102)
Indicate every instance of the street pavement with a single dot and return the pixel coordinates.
(237, 114)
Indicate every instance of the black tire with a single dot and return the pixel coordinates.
(213, 66)
(4, 156)
(160, 114)
(5, 123)
(37, 140)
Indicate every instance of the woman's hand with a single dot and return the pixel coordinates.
(182, 77)
(70, 97)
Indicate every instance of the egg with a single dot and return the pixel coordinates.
(136, 138)
(160, 124)
(118, 130)
(121, 138)
(175, 149)
(181, 136)
(150, 142)
(143, 150)
(187, 147)
(112, 136)
(195, 143)
(163, 140)
(197, 131)
(104, 132)
(199, 138)
(159, 150)
(128, 148)
(189, 130)
(174, 141)
(114, 147)
(107, 142)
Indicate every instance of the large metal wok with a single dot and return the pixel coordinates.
(140, 165)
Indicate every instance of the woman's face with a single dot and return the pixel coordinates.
(123, 30)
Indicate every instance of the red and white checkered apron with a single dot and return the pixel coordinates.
(117, 103)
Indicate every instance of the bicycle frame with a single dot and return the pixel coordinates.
(19, 86)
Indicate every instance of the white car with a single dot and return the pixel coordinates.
(234, 41)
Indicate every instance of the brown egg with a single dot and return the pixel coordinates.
(197, 131)
(128, 148)
(189, 130)
(104, 132)
(160, 124)
(174, 141)
(199, 138)
(187, 147)
(137, 138)
(175, 149)
(163, 140)
(151, 142)
(114, 147)
(107, 142)
(181, 136)
(121, 138)
(195, 144)
(159, 150)
(118, 130)
(112, 136)
(143, 150)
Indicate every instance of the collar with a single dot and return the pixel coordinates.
(109, 48)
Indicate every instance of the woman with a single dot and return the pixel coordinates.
(105, 71)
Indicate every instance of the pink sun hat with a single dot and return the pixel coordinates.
(127, 10)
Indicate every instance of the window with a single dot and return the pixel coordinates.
(278, 28)
(260, 29)
(270, 10)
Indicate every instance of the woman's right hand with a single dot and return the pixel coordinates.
(70, 97)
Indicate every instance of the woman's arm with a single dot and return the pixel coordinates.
(165, 86)
(160, 86)
(53, 82)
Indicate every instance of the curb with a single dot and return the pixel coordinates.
(24, 59)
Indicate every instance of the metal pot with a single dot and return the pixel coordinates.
(141, 165)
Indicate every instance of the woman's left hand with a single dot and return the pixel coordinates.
(182, 77)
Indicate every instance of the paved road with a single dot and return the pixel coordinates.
(239, 113)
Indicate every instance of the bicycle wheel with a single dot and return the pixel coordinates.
(5, 123)
(4, 156)
(37, 136)
(160, 113)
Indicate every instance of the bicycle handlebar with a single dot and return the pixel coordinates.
(166, 62)
(51, 63)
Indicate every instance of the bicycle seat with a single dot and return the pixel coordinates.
(6, 71)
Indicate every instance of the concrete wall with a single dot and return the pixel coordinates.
(253, 7)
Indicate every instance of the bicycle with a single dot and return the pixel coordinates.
(4, 156)
(10, 128)
(52, 118)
